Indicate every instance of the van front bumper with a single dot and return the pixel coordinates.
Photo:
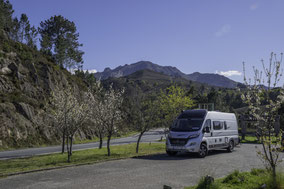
(191, 146)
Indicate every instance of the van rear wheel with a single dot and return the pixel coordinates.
(231, 146)
(203, 150)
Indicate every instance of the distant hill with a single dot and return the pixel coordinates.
(125, 70)
(207, 78)
(212, 79)
(150, 75)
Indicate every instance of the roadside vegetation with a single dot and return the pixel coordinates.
(255, 179)
(12, 166)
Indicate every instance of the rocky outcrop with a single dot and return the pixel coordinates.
(25, 87)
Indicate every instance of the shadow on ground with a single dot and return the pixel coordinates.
(179, 156)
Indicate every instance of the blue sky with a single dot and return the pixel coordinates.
(192, 35)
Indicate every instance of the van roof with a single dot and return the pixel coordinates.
(201, 113)
(193, 113)
(220, 115)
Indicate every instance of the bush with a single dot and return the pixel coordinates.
(7, 47)
(257, 172)
(205, 184)
(234, 178)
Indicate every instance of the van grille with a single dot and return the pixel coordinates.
(178, 141)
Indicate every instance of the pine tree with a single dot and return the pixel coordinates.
(59, 37)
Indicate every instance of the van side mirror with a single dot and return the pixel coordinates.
(206, 130)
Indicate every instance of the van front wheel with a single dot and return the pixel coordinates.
(203, 150)
(231, 146)
(171, 153)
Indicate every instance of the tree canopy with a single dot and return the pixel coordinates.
(59, 38)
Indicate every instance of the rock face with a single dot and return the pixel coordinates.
(207, 78)
(24, 89)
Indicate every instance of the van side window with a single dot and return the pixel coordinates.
(225, 125)
(208, 123)
(217, 125)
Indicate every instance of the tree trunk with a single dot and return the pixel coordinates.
(108, 145)
(63, 142)
(69, 157)
(68, 148)
(71, 144)
(138, 141)
(274, 176)
(101, 141)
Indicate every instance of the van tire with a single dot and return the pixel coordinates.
(231, 146)
(171, 153)
(203, 151)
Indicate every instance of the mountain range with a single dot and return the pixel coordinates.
(207, 78)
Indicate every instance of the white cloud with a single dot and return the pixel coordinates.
(91, 71)
(223, 30)
(72, 71)
(253, 6)
(229, 73)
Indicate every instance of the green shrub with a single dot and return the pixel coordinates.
(204, 184)
(257, 172)
(234, 178)
(7, 47)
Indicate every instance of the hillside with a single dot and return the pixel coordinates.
(206, 78)
(26, 80)
(125, 70)
(212, 79)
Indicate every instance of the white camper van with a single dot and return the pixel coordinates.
(201, 130)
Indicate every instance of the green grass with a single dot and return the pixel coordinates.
(250, 139)
(243, 180)
(78, 157)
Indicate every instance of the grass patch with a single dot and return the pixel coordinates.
(255, 179)
(78, 157)
(250, 140)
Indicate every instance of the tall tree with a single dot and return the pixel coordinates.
(6, 12)
(24, 27)
(59, 37)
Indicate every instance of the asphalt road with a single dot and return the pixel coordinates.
(145, 172)
(150, 136)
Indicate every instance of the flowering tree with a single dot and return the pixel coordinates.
(69, 115)
(263, 84)
(95, 113)
(111, 114)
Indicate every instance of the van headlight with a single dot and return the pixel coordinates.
(193, 136)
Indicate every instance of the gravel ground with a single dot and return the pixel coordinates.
(144, 172)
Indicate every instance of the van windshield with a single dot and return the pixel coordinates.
(186, 125)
